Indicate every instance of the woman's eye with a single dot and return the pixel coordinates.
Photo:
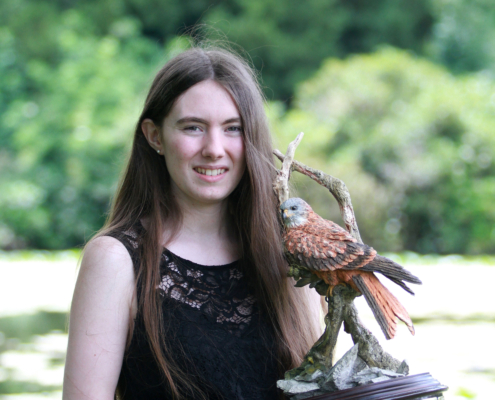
(235, 129)
(192, 128)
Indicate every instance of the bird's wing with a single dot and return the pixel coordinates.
(316, 225)
(324, 246)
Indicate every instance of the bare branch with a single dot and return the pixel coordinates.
(281, 185)
(336, 187)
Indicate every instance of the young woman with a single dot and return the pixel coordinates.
(183, 293)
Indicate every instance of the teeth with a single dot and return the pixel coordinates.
(210, 172)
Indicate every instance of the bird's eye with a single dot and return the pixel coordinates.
(293, 208)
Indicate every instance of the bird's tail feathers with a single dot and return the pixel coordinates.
(384, 305)
(393, 271)
(401, 284)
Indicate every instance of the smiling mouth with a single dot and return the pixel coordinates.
(210, 172)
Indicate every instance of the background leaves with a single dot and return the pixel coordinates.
(414, 144)
(396, 98)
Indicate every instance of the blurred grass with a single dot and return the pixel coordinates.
(452, 342)
(24, 327)
(14, 387)
(32, 349)
(46, 255)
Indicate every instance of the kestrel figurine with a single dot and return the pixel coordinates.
(336, 258)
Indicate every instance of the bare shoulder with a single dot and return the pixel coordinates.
(106, 267)
(106, 277)
(105, 251)
(102, 306)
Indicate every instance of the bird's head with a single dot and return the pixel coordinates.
(294, 212)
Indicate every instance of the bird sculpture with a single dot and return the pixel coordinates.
(333, 257)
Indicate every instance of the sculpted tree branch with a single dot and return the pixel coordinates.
(341, 306)
(334, 185)
(281, 183)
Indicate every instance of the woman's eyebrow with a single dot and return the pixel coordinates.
(231, 120)
(202, 121)
(191, 119)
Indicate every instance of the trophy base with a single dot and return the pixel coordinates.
(420, 386)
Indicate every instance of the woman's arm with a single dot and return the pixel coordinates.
(99, 319)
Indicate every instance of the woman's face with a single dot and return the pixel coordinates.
(203, 144)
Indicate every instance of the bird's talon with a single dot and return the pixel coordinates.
(329, 293)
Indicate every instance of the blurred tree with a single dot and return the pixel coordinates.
(463, 37)
(414, 145)
(65, 127)
(73, 72)
(286, 39)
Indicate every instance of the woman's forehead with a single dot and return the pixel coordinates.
(205, 100)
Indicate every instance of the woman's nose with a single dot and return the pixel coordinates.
(213, 145)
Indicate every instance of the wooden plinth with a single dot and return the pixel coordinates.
(419, 386)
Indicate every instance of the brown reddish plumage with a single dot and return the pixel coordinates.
(332, 254)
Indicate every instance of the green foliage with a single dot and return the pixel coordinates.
(65, 128)
(463, 37)
(73, 75)
(414, 145)
(288, 39)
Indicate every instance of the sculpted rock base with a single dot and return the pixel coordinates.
(350, 371)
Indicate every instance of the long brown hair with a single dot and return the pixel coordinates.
(145, 192)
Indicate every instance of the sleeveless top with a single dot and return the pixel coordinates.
(214, 331)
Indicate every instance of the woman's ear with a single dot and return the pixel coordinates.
(152, 134)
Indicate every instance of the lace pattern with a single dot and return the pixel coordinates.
(220, 292)
(213, 329)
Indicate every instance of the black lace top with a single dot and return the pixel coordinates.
(213, 328)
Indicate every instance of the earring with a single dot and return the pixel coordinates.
(158, 151)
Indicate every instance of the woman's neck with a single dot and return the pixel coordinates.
(206, 235)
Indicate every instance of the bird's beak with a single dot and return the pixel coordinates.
(286, 214)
